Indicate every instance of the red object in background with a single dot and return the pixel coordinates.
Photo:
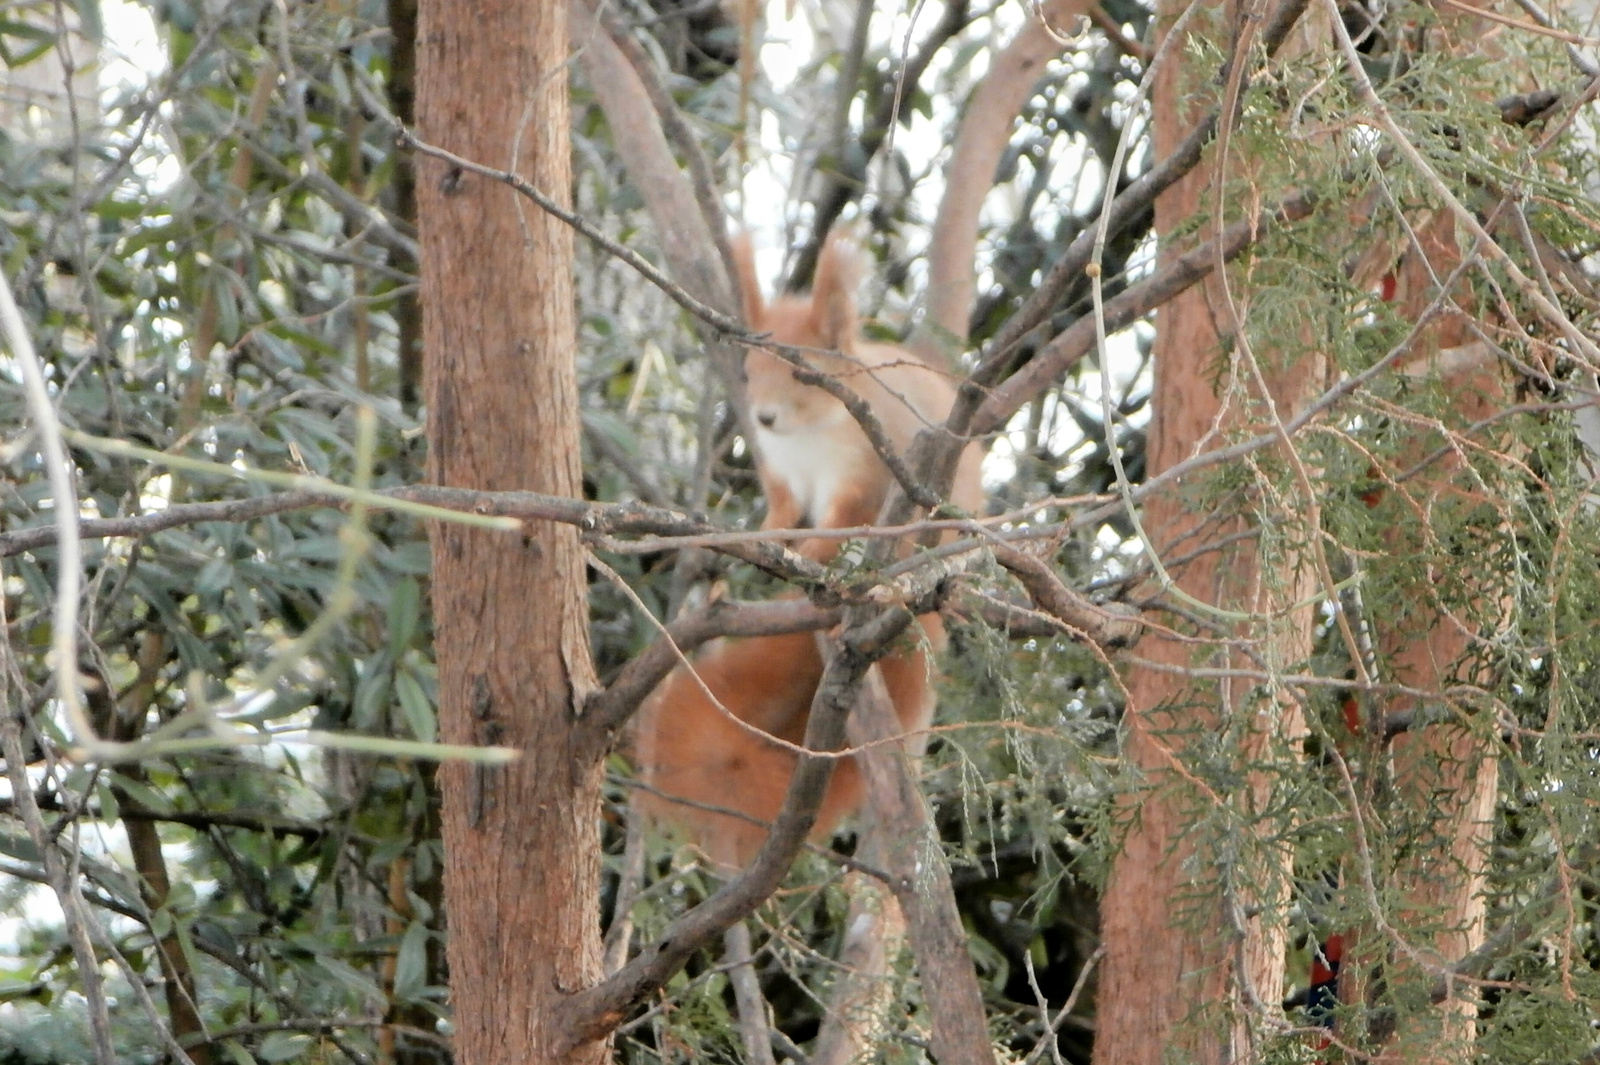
(1352, 713)
(1325, 963)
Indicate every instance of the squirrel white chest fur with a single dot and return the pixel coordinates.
(814, 466)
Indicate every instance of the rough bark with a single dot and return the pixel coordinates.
(522, 871)
(920, 880)
(1446, 775)
(1192, 924)
(862, 997)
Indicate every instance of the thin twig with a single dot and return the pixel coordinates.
(1048, 1040)
(1066, 1007)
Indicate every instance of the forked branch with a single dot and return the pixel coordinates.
(592, 1013)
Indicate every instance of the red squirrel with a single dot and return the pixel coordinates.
(818, 470)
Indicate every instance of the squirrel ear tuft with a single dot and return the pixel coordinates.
(744, 263)
(833, 293)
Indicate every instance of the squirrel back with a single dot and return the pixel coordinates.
(695, 758)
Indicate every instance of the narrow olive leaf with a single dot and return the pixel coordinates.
(405, 608)
(283, 1046)
(110, 810)
(238, 1054)
(18, 846)
(411, 964)
(420, 718)
(91, 23)
(372, 692)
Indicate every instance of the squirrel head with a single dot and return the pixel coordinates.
(824, 323)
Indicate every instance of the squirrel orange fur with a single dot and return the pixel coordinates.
(818, 470)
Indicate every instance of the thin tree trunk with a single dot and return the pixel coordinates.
(522, 869)
(1446, 774)
(1193, 931)
(920, 880)
(980, 142)
(863, 994)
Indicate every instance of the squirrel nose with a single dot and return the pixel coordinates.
(767, 418)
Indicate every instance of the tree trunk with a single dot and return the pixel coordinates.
(522, 870)
(1446, 775)
(1193, 924)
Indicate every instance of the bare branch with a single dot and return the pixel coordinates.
(593, 1012)
(754, 1032)
(1126, 308)
(196, 819)
(1112, 625)
(920, 880)
(683, 232)
(1066, 1007)
(860, 1002)
(980, 141)
(176, 516)
(1128, 205)
(846, 182)
(595, 519)
(683, 139)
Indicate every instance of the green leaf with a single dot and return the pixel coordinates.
(18, 846)
(15, 991)
(283, 1046)
(372, 693)
(181, 896)
(352, 978)
(418, 710)
(214, 577)
(227, 308)
(239, 1054)
(405, 607)
(152, 799)
(110, 811)
(411, 963)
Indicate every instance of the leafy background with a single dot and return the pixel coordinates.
(215, 270)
